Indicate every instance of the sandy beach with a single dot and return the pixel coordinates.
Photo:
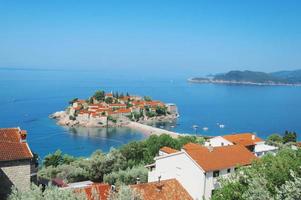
(151, 130)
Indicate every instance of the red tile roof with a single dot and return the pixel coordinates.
(168, 150)
(102, 191)
(244, 139)
(109, 95)
(165, 190)
(11, 145)
(219, 157)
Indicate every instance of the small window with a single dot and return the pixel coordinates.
(216, 173)
(228, 170)
(222, 144)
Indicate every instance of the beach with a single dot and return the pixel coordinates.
(150, 130)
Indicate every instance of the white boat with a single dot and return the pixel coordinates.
(195, 126)
(222, 126)
(205, 128)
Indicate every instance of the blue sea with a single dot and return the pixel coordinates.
(28, 97)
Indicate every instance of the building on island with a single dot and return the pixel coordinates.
(248, 140)
(197, 167)
(17, 167)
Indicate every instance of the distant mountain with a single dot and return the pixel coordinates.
(253, 77)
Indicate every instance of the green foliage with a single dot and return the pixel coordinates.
(264, 179)
(122, 165)
(291, 190)
(73, 100)
(125, 193)
(109, 100)
(161, 110)
(275, 138)
(50, 193)
(147, 98)
(72, 118)
(99, 95)
(57, 158)
(289, 137)
(128, 176)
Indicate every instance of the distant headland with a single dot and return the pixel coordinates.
(114, 110)
(289, 78)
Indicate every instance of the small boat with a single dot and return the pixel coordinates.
(195, 126)
(205, 128)
(222, 126)
(172, 126)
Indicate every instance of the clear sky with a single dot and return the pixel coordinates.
(190, 37)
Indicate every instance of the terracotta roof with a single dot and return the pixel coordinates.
(123, 110)
(219, 157)
(109, 95)
(244, 139)
(11, 145)
(165, 190)
(101, 189)
(117, 105)
(168, 150)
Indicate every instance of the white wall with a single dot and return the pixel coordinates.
(217, 142)
(181, 167)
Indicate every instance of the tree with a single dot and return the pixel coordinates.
(125, 193)
(128, 176)
(99, 95)
(50, 193)
(109, 100)
(289, 137)
(147, 98)
(161, 110)
(73, 100)
(275, 138)
(291, 190)
(54, 159)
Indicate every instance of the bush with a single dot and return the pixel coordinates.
(128, 176)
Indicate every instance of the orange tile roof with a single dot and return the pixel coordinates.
(117, 105)
(102, 191)
(11, 145)
(220, 157)
(165, 190)
(168, 150)
(123, 110)
(244, 139)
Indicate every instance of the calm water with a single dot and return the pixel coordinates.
(28, 97)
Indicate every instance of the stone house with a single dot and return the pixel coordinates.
(16, 166)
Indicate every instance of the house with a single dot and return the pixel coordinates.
(16, 161)
(166, 150)
(248, 140)
(172, 108)
(169, 189)
(197, 167)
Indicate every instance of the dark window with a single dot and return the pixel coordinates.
(228, 170)
(216, 173)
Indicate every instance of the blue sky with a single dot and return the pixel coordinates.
(189, 37)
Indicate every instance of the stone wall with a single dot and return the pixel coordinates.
(15, 173)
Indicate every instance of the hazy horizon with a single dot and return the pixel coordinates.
(186, 38)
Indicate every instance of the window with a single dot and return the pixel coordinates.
(228, 170)
(222, 144)
(216, 173)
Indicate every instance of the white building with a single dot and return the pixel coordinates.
(197, 167)
(248, 140)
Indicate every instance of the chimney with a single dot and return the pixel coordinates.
(210, 148)
(253, 137)
(137, 180)
(23, 135)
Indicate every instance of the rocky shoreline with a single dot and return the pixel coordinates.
(63, 119)
(192, 80)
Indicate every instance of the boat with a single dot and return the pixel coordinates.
(222, 126)
(195, 126)
(205, 128)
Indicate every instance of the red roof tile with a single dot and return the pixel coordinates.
(168, 150)
(165, 190)
(11, 145)
(102, 191)
(219, 157)
(244, 139)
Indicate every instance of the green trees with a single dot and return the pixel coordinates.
(147, 98)
(121, 165)
(275, 138)
(99, 95)
(50, 193)
(161, 110)
(268, 178)
(289, 137)
(125, 193)
(109, 100)
(57, 159)
(128, 176)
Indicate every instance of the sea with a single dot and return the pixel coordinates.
(29, 96)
